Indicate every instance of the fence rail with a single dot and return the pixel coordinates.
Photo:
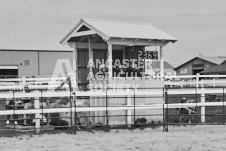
(171, 81)
(33, 83)
(196, 80)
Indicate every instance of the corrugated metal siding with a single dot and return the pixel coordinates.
(47, 61)
(17, 58)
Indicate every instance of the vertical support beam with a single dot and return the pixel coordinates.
(203, 107)
(74, 57)
(37, 115)
(109, 60)
(90, 62)
(38, 63)
(124, 52)
(161, 62)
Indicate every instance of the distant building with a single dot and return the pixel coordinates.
(216, 70)
(168, 68)
(198, 64)
(18, 63)
(29, 63)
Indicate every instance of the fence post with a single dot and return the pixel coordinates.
(197, 80)
(41, 98)
(134, 105)
(163, 111)
(107, 118)
(74, 115)
(24, 82)
(72, 101)
(37, 115)
(166, 127)
(71, 107)
(223, 109)
(129, 112)
(203, 107)
(14, 108)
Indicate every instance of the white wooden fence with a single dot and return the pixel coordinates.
(53, 82)
(33, 83)
(37, 83)
(196, 80)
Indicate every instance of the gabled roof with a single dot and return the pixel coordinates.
(118, 29)
(220, 69)
(156, 64)
(215, 60)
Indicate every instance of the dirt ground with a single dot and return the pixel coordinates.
(198, 138)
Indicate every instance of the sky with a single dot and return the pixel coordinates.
(198, 25)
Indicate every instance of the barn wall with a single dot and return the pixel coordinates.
(197, 61)
(192, 65)
(47, 61)
(187, 66)
(208, 65)
(18, 58)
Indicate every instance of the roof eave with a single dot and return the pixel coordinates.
(93, 29)
(70, 32)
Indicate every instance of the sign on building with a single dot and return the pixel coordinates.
(148, 55)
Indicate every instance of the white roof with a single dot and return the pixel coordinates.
(128, 30)
(119, 29)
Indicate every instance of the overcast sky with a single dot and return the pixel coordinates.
(199, 25)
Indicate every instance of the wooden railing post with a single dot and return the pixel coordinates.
(203, 107)
(197, 80)
(129, 112)
(37, 115)
(24, 82)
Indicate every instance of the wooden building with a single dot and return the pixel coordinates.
(216, 70)
(94, 40)
(198, 64)
(111, 43)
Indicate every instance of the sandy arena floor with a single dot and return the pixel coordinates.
(198, 138)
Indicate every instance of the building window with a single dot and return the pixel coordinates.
(26, 62)
(198, 66)
(183, 70)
